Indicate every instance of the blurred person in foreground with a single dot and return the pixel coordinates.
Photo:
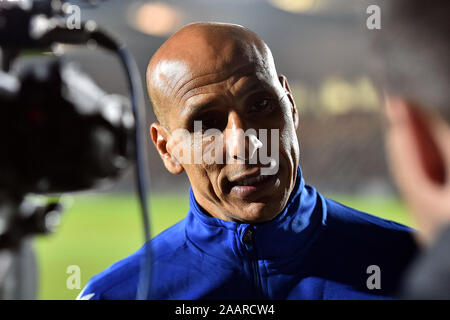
(254, 230)
(415, 74)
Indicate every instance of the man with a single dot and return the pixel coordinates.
(254, 230)
(413, 44)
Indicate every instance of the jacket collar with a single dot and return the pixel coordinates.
(287, 234)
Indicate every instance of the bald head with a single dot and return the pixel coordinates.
(221, 78)
(196, 53)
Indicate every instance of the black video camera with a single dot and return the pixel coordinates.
(59, 131)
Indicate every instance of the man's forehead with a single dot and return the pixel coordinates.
(201, 61)
(202, 55)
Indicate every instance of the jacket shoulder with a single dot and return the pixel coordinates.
(338, 213)
(351, 242)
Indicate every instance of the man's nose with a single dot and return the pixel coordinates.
(240, 145)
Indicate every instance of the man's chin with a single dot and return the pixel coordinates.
(256, 212)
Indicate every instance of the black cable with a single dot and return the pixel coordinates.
(135, 85)
(138, 105)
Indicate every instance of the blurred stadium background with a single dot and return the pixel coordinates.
(319, 45)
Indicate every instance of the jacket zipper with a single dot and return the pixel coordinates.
(253, 261)
(256, 277)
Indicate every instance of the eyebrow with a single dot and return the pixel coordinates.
(192, 111)
(252, 84)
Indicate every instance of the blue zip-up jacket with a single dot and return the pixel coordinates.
(315, 248)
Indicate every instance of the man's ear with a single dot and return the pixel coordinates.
(287, 89)
(418, 145)
(160, 137)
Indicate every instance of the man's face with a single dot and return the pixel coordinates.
(231, 95)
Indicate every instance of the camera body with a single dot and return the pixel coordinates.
(59, 131)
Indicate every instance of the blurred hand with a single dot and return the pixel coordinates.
(418, 148)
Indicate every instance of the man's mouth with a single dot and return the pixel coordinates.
(250, 181)
(248, 185)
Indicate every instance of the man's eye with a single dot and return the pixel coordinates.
(211, 123)
(216, 120)
(261, 105)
